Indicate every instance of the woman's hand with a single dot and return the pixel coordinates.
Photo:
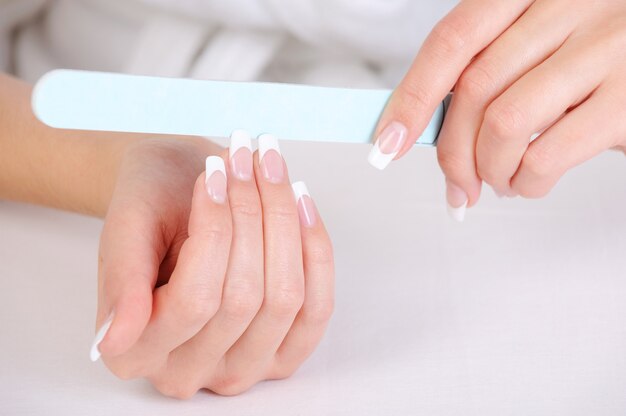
(518, 68)
(219, 289)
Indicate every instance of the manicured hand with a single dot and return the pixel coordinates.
(220, 288)
(518, 68)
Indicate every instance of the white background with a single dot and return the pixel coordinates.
(519, 311)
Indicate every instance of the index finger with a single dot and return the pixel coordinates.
(468, 29)
(193, 293)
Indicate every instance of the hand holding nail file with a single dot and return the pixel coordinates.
(126, 103)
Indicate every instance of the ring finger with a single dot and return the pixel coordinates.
(248, 360)
(533, 38)
(534, 103)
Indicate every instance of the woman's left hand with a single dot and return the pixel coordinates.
(518, 68)
(220, 288)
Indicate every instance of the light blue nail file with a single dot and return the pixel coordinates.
(126, 103)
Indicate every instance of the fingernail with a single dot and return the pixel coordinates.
(457, 201)
(388, 145)
(216, 179)
(94, 353)
(270, 159)
(240, 155)
(306, 207)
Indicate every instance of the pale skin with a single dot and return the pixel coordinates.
(222, 295)
(518, 67)
(205, 295)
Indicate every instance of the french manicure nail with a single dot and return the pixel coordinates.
(216, 179)
(457, 201)
(240, 155)
(94, 353)
(388, 145)
(306, 207)
(270, 159)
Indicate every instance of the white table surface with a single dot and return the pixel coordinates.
(519, 311)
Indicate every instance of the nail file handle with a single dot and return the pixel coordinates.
(85, 100)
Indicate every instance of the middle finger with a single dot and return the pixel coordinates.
(247, 361)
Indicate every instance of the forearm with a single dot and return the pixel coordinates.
(66, 169)
(72, 170)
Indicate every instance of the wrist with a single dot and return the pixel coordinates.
(66, 169)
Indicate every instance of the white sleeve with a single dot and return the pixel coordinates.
(377, 30)
(12, 13)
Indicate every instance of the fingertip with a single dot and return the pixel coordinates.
(307, 210)
(94, 352)
(459, 198)
(388, 145)
(200, 194)
(124, 325)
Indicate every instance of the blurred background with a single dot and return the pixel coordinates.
(365, 43)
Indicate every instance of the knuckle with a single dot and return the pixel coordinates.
(414, 96)
(247, 207)
(531, 192)
(503, 120)
(199, 305)
(231, 386)
(537, 174)
(285, 301)
(320, 312)
(283, 371)
(451, 161)
(244, 302)
(538, 163)
(177, 389)
(477, 83)
(217, 231)
(450, 35)
(282, 214)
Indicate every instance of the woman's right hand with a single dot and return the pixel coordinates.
(539, 88)
(220, 290)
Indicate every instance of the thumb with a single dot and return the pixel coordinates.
(128, 269)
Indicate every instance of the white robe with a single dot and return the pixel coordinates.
(351, 43)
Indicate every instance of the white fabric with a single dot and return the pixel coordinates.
(5, 52)
(167, 35)
(334, 42)
(237, 55)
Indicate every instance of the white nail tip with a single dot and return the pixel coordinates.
(214, 164)
(378, 159)
(239, 139)
(457, 214)
(267, 142)
(94, 354)
(300, 190)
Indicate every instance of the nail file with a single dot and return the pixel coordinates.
(86, 100)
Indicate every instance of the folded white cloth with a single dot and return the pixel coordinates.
(366, 43)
